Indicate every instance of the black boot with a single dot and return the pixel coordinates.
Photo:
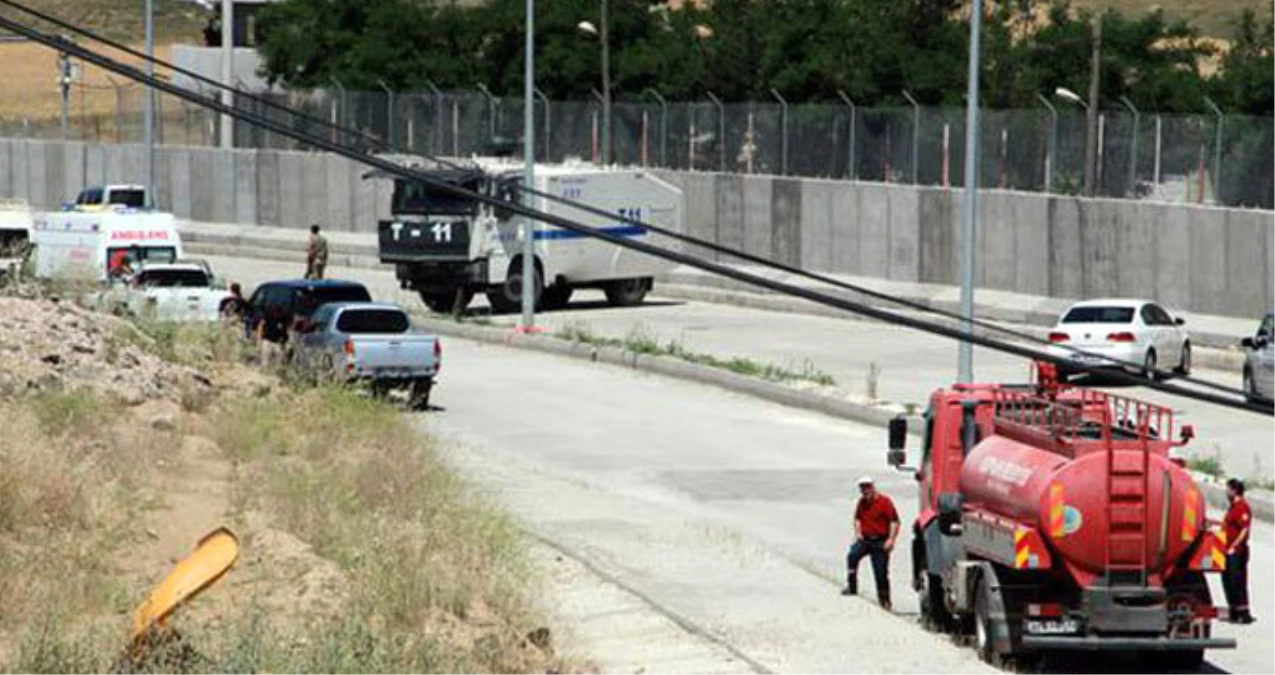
(884, 597)
(852, 587)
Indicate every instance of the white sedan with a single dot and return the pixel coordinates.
(1138, 335)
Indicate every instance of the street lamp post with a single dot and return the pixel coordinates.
(148, 115)
(529, 169)
(227, 139)
(663, 124)
(969, 211)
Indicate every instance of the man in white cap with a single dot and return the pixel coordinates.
(876, 525)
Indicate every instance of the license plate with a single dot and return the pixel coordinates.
(1052, 627)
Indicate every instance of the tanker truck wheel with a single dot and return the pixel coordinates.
(628, 292)
(934, 614)
(985, 623)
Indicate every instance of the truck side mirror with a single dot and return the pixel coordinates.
(1188, 432)
(897, 456)
(1248, 343)
(1179, 321)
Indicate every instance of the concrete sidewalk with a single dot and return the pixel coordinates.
(359, 250)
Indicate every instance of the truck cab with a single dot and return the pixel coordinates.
(102, 197)
(1056, 519)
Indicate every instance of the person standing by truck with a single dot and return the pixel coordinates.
(876, 525)
(1238, 521)
(316, 254)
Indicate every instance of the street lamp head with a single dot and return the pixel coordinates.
(1069, 95)
(703, 32)
(587, 27)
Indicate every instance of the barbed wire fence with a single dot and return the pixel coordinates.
(1166, 157)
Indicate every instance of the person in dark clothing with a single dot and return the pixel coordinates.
(876, 525)
(234, 308)
(1237, 524)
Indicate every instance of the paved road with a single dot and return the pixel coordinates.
(909, 364)
(728, 512)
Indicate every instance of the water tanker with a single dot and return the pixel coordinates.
(1057, 519)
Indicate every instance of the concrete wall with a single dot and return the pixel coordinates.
(1198, 259)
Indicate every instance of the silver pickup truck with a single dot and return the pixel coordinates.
(372, 342)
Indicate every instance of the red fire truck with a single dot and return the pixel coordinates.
(1054, 518)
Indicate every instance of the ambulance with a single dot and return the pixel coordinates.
(105, 244)
(16, 219)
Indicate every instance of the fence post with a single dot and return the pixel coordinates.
(916, 133)
(597, 141)
(947, 155)
(455, 128)
(1051, 153)
(1156, 174)
(337, 120)
(646, 121)
(663, 124)
(721, 129)
(389, 113)
(491, 111)
(1102, 133)
(1004, 152)
(1217, 150)
(1133, 148)
(545, 100)
(435, 129)
(850, 168)
(784, 134)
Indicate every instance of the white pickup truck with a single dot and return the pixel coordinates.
(183, 291)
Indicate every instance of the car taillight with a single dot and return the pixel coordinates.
(349, 347)
(1045, 609)
(438, 355)
(1059, 337)
(1122, 337)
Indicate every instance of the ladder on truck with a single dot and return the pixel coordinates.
(1128, 487)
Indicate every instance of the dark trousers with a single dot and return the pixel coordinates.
(873, 547)
(1235, 583)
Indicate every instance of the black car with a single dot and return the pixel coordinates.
(277, 307)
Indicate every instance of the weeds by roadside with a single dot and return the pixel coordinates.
(639, 341)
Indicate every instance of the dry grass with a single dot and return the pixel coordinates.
(415, 573)
(435, 573)
(73, 490)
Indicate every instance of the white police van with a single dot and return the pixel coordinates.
(447, 249)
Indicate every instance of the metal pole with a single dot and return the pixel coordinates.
(969, 211)
(545, 100)
(389, 112)
(1102, 134)
(1133, 146)
(916, 133)
(148, 115)
(663, 125)
(1156, 172)
(784, 134)
(65, 82)
(338, 108)
(721, 129)
(850, 168)
(1052, 153)
(491, 111)
(436, 129)
(606, 87)
(1092, 131)
(227, 140)
(1217, 150)
(529, 169)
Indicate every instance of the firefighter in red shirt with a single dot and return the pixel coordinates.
(1235, 578)
(876, 525)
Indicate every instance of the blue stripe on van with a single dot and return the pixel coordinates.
(617, 231)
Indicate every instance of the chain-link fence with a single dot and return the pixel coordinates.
(1190, 158)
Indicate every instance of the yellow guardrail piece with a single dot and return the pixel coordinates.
(213, 557)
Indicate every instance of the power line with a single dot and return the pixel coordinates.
(515, 207)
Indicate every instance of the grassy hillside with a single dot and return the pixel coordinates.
(175, 20)
(1213, 18)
